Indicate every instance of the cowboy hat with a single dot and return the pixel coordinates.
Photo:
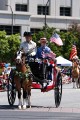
(27, 34)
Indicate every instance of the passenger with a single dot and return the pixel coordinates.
(45, 52)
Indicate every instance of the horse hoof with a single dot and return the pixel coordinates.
(24, 107)
(29, 106)
(19, 107)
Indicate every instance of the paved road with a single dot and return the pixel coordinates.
(23, 115)
(43, 106)
(70, 99)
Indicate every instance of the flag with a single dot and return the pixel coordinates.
(50, 55)
(73, 52)
(56, 39)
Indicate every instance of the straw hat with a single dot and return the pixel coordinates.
(43, 39)
(75, 57)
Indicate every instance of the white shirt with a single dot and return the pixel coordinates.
(29, 46)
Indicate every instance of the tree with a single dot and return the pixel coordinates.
(75, 29)
(8, 46)
(68, 38)
(14, 43)
(49, 32)
(4, 46)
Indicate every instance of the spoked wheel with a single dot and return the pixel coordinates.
(11, 92)
(58, 90)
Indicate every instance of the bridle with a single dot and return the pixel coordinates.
(20, 57)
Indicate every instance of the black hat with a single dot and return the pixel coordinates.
(27, 34)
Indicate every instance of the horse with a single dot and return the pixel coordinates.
(22, 79)
(75, 74)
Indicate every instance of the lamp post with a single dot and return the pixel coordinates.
(45, 15)
(12, 18)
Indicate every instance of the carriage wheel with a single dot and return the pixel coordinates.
(58, 90)
(11, 92)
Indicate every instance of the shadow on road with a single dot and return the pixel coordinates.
(8, 107)
(16, 107)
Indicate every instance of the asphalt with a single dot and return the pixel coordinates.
(67, 105)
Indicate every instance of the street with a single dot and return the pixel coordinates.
(43, 106)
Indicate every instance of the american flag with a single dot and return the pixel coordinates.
(50, 55)
(73, 52)
(56, 39)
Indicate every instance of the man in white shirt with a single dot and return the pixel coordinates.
(29, 46)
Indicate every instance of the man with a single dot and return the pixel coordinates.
(45, 52)
(29, 46)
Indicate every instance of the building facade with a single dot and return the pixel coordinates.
(17, 16)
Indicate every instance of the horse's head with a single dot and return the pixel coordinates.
(75, 64)
(20, 57)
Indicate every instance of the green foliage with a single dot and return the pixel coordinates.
(69, 38)
(0, 71)
(4, 47)
(14, 43)
(75, 29)
(8, 46)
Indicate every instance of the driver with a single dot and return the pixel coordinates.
(45, 52)
(28, 46)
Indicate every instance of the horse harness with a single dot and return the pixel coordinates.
(23, 77)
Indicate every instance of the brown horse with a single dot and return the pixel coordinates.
(75, 74)
(23, 80)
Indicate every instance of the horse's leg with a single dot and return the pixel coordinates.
(19, 99)
(18, 87)
(73, 80)
(79, 81)
(76, 81)
(24, 98)
(29, 92)
(29, 101)
(29, 95)
(24, 94)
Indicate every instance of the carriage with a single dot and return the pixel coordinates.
(39, 72)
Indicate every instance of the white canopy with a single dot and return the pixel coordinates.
(63, 62)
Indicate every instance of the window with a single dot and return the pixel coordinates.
(8, 29)
(21, 7)
(63, 30)
(65, 11)
(35, 30)
(41, 10)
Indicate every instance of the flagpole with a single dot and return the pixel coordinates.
(45, 16)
